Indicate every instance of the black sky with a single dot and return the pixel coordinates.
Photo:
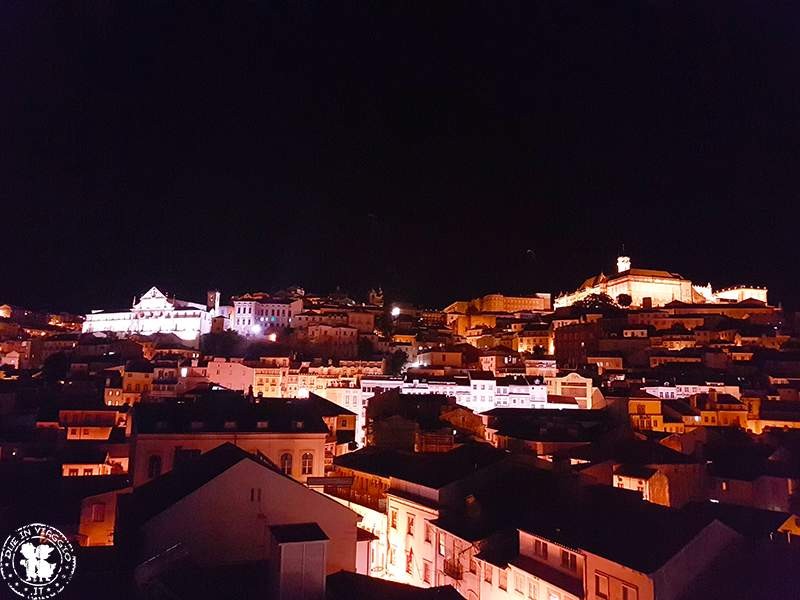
(423, 146)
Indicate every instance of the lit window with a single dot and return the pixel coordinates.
(568, 560)
(393, 519)
(286, 463)
(503, 580)
(441, 544)
(600, 585)
(410, 524)
(487, 573)
(532, 589)
(426, 572)
(428, 532)
(628, 592)
(519, 583)
(307, 463)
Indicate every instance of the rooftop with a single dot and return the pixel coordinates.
(297, 532)
(434, 470)
(153, 497)
(233, 413)
(620, 539)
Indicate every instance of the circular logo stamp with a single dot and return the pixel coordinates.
(37, 561)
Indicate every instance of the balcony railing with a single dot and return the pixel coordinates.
(368, 500)
(453, 569)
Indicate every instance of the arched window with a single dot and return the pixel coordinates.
(308, 463)
(154, 467)
(286, 463)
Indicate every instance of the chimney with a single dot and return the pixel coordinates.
(297, 561)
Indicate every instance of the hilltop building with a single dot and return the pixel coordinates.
(154, 312)
(648, 288)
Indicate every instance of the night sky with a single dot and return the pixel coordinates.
(423, 146)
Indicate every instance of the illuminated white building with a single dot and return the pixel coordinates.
(257, 313)
(648, 287)
(741, 293)
(156, 313)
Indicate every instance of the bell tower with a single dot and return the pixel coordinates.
(623, 264)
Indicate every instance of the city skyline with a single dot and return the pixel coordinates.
(307, 300)
(344, 146)
(359, 293)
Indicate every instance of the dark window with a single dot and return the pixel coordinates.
(98, 513)
(184, 455)
(154, 467)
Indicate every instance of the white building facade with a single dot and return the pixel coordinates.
(256, 314)
(156, 313)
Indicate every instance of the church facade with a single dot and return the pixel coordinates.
(154, 312)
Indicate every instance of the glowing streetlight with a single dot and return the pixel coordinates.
(395, 311)
(255, 329)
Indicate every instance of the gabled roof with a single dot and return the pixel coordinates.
(298, 532)
(152, 498)
(750, 522)
(629, 452)
(639, 535)
(657, 273)
(635, 471)
(83, 453)
(326, 408)
(560, 399)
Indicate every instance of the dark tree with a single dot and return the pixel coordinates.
(596, 302)
(365, 348)
(624, 300)
(225, 344)
(396, 361)
(56, 367)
